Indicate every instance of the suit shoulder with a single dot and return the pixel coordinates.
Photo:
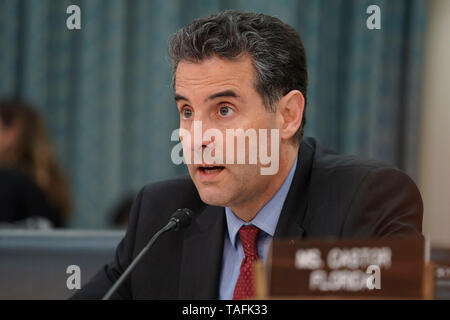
(327, 159)
(328, 167)
(358, 196)
(174, 193)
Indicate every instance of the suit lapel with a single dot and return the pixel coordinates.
(202, 255)
(290, 223)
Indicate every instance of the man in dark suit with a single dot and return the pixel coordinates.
(237, 70)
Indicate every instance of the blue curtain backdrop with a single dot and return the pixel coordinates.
(104, 91)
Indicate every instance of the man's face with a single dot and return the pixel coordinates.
(221, 94)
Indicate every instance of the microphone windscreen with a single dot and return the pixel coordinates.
(183, 217)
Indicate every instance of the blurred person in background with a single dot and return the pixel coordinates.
(32, 184)
(120, 213)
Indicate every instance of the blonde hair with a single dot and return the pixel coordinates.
(32, 153)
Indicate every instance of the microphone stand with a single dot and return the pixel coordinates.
(171, 225)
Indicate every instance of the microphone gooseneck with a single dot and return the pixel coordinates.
(180, 219)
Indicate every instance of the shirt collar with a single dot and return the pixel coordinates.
(267, 218)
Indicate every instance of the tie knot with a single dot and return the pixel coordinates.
(249, 236)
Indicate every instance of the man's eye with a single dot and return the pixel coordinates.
(187, 113)
(225, 111)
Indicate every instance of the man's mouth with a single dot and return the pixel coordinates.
(211, 169)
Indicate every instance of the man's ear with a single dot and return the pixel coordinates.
(290, 113)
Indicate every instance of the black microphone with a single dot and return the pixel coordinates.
(180, 219)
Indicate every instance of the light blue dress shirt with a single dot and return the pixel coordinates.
(266, 220)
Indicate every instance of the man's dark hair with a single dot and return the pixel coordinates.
(276, 49)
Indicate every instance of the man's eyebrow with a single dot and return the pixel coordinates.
(226, 93)
(180, 97)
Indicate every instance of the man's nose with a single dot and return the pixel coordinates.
(197, 132)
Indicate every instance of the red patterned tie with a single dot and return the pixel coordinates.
(244, 285)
